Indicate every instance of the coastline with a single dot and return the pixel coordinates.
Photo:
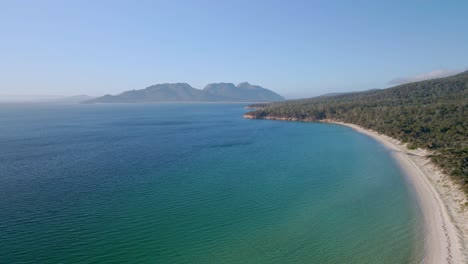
(442, 202)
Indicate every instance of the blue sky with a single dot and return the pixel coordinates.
(296, 48)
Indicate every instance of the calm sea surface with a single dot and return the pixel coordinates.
(196, 183)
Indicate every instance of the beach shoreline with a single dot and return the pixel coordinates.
(441, 200)
(443, 204)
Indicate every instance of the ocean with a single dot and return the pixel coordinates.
(196, 183)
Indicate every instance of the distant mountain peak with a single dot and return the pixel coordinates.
(220, 84)
(164, 85)
(183, 92)
(463, 73)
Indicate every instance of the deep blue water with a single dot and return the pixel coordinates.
(196, 183)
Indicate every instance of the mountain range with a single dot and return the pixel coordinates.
(183, 92)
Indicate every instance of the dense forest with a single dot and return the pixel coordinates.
(430, 114)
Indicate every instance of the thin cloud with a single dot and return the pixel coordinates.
(425, 76)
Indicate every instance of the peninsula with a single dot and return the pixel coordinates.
(425, 125)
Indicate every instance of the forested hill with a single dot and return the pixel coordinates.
(429, 114)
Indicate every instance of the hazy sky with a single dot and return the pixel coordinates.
(296, 48)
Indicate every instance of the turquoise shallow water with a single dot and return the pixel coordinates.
(196, 183)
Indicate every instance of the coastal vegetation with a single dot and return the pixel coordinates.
(430, 114)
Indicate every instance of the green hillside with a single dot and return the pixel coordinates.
(430, 114)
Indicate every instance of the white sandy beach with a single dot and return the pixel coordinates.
(441, 201)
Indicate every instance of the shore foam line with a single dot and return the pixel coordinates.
(441, 201)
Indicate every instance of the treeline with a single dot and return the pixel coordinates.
(257, 105)
(430, 114)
